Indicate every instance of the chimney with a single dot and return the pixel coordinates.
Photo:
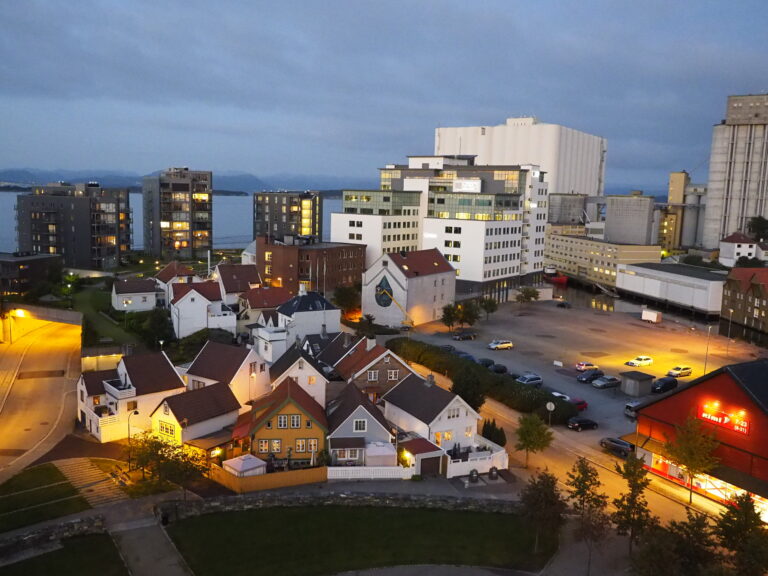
(430, 381)
(370, 343)
(302, 290)
(323, 332)
(347, 339)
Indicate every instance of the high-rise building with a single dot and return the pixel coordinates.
(680, 219)
(280, 214)
(89, 226)
(488, 221)
(738, 186)
(574, 161)
(178, 213)
(629, 219)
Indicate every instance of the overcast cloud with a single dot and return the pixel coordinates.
(342, 88)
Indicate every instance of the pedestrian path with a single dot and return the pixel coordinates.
(92, 483)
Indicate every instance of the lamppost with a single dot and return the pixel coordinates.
(131, 413)
(706, 354)
(161, 344)
(728, 344)
(125, 315)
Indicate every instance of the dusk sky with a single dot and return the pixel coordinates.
(342, 88)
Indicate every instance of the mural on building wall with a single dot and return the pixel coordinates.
(383, 293)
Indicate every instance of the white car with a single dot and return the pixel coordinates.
(501, 345)
(640, 361)
(560, 395)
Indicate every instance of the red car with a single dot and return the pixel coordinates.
(580, 404)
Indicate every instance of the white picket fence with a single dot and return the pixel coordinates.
(369, 473)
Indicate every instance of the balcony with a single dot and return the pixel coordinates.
(119, 389)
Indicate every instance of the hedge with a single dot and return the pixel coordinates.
(502, 388)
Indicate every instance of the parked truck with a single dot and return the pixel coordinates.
(651, 316)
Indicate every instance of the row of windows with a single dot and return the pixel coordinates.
(501, 272)
(373, 375)
(284, 419)
(452, 244)
(502, 244)
(502, 258)
(275, 446)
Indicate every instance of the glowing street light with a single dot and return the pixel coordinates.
(131, 413)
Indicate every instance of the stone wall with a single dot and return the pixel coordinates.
(177, 510)
(49, 534)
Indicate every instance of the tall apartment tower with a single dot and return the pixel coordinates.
(89, 226)
(738, 163)
(280, 214)
(629, 219)
(178, 213)
(574, 161)
(488, 221)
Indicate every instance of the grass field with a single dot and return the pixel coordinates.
(326, 540)
(35, 495)
(93, 555)
(89, 302)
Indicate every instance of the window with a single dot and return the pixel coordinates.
(468, 432)
(452, 413)
(262, 367)
(282, 421)
(268, 425)
(393, 374)
(295, 421)
(361, 425)
(313, 444)
(82, 396)
(197, 384)
(132, 405)
(252, 367)
(438, 438)
(263, 446)
(276, 446)
(312, 380)
(352, 453)
(309, 423)
(373, 375)
(448, 436)
(166, 411)
(166, 429)
(301, 445)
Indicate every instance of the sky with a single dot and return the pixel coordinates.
(341, 88)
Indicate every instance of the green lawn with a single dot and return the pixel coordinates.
(89, 302)
(93, 555)
(328, 540)
(37, 494)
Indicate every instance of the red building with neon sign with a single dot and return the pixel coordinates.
(733, 403)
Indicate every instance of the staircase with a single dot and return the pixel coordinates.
(93, 484)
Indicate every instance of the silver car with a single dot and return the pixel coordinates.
(606, 382)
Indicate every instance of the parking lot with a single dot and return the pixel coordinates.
(546, 336)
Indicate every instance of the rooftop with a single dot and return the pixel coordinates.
(700, 272)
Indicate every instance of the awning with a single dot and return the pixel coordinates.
(209, 441)
(339, 443)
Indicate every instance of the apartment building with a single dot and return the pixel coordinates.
(281, 214)
(178, 213)
(19, 272)
(89, 226)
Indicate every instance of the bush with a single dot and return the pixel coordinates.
(499, 387)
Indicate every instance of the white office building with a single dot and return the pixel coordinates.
(573, 160)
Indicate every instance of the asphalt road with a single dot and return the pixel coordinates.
(38, 373)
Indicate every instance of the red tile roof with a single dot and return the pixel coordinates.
(173, 270)
(218, 362)
(746, 277)
(421, 262)
(209, 290)
(738, 238)
(359, 358)
(202, 404)
(266, 297)
(151, 373)
(419, 446)
(288, 391)
(237, 278)
(135, 286)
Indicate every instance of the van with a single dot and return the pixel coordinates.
(630, 408)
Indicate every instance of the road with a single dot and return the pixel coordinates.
(543, 334)
(38, 374)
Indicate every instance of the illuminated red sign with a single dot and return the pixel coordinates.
(735, 421)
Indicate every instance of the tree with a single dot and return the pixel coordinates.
(533, 435)
(468, 312)
(758, 227)
(542, 505)
(747, 262)
(741, 531)
(693, 449)
(450, 316)
(347, 298)
(632, 517)
(658, 555)
(146, 451)
(157, 326)
(182, 466)
(589, 503)
(693, 544)
(494, 432)
(489, 306)
(469, 388)
(526, 294)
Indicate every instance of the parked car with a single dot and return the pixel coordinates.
(679, 371)
(530, 379)
(664, 385)
(485, 362)
(564, 304)
(630, 408)
(584, 366)
(560, 395)
(466, 356)
(448, 348)
(578, 423)
(465, 336)
(640, 361)
(606, 382)
(498, 369)
(501, 345)
(589, 376)
(580, 404)
(617, 446)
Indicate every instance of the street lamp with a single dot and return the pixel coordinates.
(728, 344)
(131, 413)
(706, 354)
(125, 315)
(161, 344)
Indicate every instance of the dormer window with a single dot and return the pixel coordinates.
(165, 408)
